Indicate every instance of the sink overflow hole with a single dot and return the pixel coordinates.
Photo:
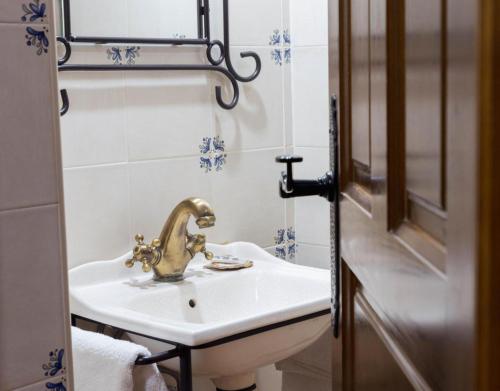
(192, 303)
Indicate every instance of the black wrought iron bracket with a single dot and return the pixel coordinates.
(204, 39)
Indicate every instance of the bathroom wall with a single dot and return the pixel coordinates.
(310, 124)
(135, 144)
(144, 133)
(34, 326)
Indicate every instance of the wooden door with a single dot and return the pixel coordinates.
(413, 119)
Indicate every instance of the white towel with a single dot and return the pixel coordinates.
(103, 363)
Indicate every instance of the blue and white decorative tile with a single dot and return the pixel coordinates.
(56, 385)
(131, 54)
(114, 54)
(34, 12)
(286, 37)
(213, 154)
(37, 37)
(286, 246)
(280, 43)
(275, 42)
(287, 50)
(26, 11)
(55, 367)
(127, 55)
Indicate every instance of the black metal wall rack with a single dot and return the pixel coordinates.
(204, 39)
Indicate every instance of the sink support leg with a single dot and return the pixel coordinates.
(186, 380)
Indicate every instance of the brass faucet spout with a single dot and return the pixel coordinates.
(176, 247)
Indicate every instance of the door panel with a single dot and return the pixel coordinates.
(375, 366)
(418, 86)
(424, 106)
(360, 85)
(393, 219)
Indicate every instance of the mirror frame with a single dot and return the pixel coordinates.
(203, 20)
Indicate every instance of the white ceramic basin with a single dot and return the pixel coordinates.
(226, 304)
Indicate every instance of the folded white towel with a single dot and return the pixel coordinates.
(103, 363)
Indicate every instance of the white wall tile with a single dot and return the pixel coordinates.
(27, 125)
(158, 186)
(314, 256)
(312, 214)
(168, 114)
(97, 212)
(32, 319)
(93, 130)
(257, 120)
(246, 198)
(288, 103)
(99, 18)
(13, 11)
(309, 22)
(252, 22)
(310, 97)
(162, 19)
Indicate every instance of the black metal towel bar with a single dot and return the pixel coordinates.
(156, 358)
(204, 28)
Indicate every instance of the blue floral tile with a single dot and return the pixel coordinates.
(128, 54)
(34, 11)
(286, 246)
(275, 38)
(281, 51)
(131, 53)
(287, 51)
(286, 37)
(212, 154)
(58, 386)
(288, 55)
(276, 56)
(114, 54)
(37, 39)
(55, 367)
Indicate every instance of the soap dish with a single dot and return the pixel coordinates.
(227, 263)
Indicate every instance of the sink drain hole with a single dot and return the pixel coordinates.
(192, 303)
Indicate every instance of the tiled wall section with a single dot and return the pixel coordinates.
(34, 349)
(309, 112)
(135, 144)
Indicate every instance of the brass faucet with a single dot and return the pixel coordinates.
(169, 255)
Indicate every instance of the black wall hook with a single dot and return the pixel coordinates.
(227, 55)
(65, 102)
(165, 67)
(67, 51)
(324, 186)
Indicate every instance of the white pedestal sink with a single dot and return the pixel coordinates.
(234, 321)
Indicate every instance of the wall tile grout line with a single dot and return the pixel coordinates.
(30, 207)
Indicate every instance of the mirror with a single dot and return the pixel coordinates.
(134, 19)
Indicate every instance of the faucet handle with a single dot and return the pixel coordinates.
(208, 254)
(148, 255)
(197, 244)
